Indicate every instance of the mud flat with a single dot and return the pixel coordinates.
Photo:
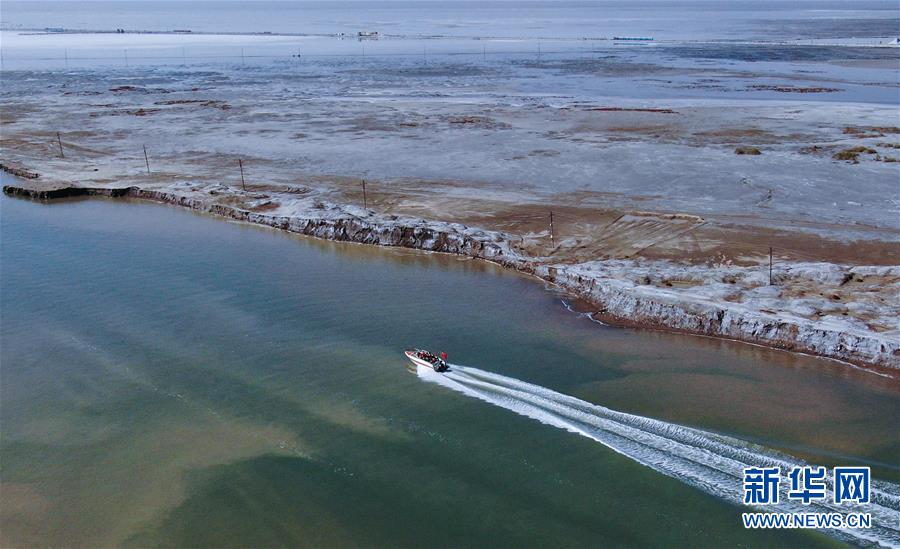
(804, 309)
(659, 220)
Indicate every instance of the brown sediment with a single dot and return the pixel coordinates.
(140, 89)
(735, 132)
(623, 109)
(598, 231)
(792, 89)
(212, 103)
(477, 121)
(18, 172)
(864, 132)
(141, 112)
(612, 301)
(815, 149)
(852, 154)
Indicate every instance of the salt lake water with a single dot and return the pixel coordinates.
(174, 379)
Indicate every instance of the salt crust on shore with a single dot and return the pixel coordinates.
(737, 302)
(805, 309)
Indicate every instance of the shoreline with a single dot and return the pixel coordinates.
(885, 41)
(617, 302)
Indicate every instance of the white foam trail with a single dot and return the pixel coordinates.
(711, 462)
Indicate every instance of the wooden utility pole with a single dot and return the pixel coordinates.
(146, 160)
(365, 200)
(539, 51)
(241, 166)
(551, 227)
(770, 265)
(59, 140)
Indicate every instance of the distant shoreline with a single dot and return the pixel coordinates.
(868, 42)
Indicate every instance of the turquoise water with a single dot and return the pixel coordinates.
(173, 379)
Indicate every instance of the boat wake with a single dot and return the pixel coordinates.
(708, 461)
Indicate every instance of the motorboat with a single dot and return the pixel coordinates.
(420, 357)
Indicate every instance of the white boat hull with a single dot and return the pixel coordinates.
(411, 355)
